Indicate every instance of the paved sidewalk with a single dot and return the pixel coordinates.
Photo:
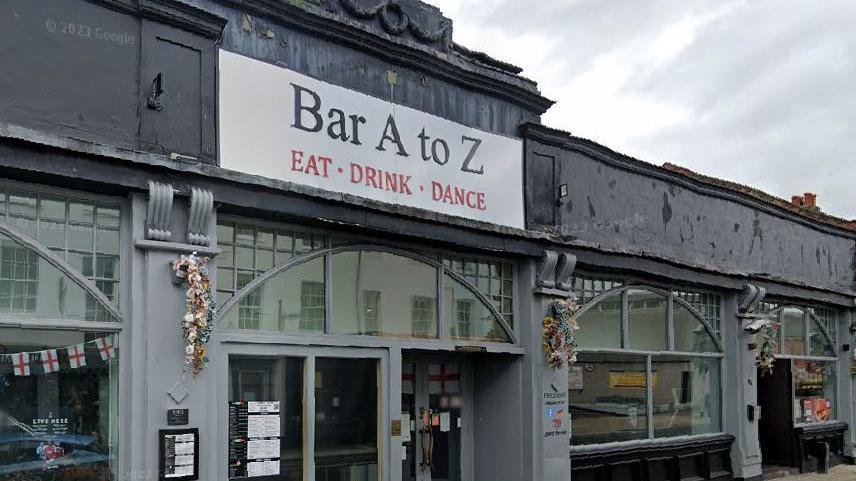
(843, 472)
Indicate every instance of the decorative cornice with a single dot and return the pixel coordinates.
(184, 16)
(395, 20)
(567, 141)
(324, 24)
(199, 216)
(171, 12)
(553, 273)
(159, 211)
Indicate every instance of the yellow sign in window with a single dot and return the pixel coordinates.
(629, 379)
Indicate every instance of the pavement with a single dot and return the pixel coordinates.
(843, 472)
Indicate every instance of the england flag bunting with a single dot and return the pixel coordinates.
(21, 363)
(76, 356)
(50, 361)
(49, 358)
(105, 348)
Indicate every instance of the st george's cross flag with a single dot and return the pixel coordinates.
(21, 362)
(50, 361)
(105, 348)
(76, 356)
(443, 378)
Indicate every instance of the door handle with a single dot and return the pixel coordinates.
(423, 463)
(430, 446)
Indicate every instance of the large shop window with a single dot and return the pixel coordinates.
(372, 292)
(58, 414)
(806, 342)
(649, 367)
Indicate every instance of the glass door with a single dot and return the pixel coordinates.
(432, 404)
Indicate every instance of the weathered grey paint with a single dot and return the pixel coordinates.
(634, 212)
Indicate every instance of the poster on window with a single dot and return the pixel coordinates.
(54, 406)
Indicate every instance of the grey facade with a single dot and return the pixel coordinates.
(113, 104)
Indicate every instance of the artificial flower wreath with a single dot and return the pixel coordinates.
(560, 330)
(769, 345)
(197, 324)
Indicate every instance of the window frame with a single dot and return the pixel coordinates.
(776, 314)
(328, 253)
(651, 356)
(309, 354)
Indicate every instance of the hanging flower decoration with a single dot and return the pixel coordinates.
(197, 324)
(560, 331)
(769, 345)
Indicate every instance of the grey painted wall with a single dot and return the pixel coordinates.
(636, 213)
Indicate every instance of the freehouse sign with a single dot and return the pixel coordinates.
(280, 124)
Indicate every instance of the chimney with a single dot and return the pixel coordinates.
(796, 200)
(810, 200)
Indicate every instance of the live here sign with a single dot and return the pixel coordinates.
(279, 124)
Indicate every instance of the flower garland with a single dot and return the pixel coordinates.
(560, 330)
(769, 345)
(198, 321)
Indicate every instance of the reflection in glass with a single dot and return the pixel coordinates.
(367, 284)
(819, 344)
(346, 419)
(291, 301)
(647, 320)
(468, 317)
(690, 333)
(602, 323)
(686, 396)
(814, 390)
(611, 406)
(275, 379)
(63, 424)
(793, 330)
(32, 287)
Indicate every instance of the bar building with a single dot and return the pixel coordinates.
(387, 224)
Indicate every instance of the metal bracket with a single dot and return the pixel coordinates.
(154, 100)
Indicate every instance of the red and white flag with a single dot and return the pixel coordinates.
(443, 378)
(105, 348)
(408, 377)
(76, 356)
(50, 361)
(21, 362)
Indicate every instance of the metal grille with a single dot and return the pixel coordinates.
(587, 288)
(493, 278)
(707, 304)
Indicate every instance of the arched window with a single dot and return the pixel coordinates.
(58, 356)
(806, 349)
(365, 290)
(649, 366)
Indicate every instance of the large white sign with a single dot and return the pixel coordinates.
(280, 124)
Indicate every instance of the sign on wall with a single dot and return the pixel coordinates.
(279, 124)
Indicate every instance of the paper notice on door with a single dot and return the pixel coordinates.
(263, 448)
(271, 468)
(445, 422)
(263, 426)
(254, 407)
(405, 427)
(403, 453)
(255, 468)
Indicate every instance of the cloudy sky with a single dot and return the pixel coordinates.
(759, 92)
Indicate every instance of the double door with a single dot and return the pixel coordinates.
(435, 403)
